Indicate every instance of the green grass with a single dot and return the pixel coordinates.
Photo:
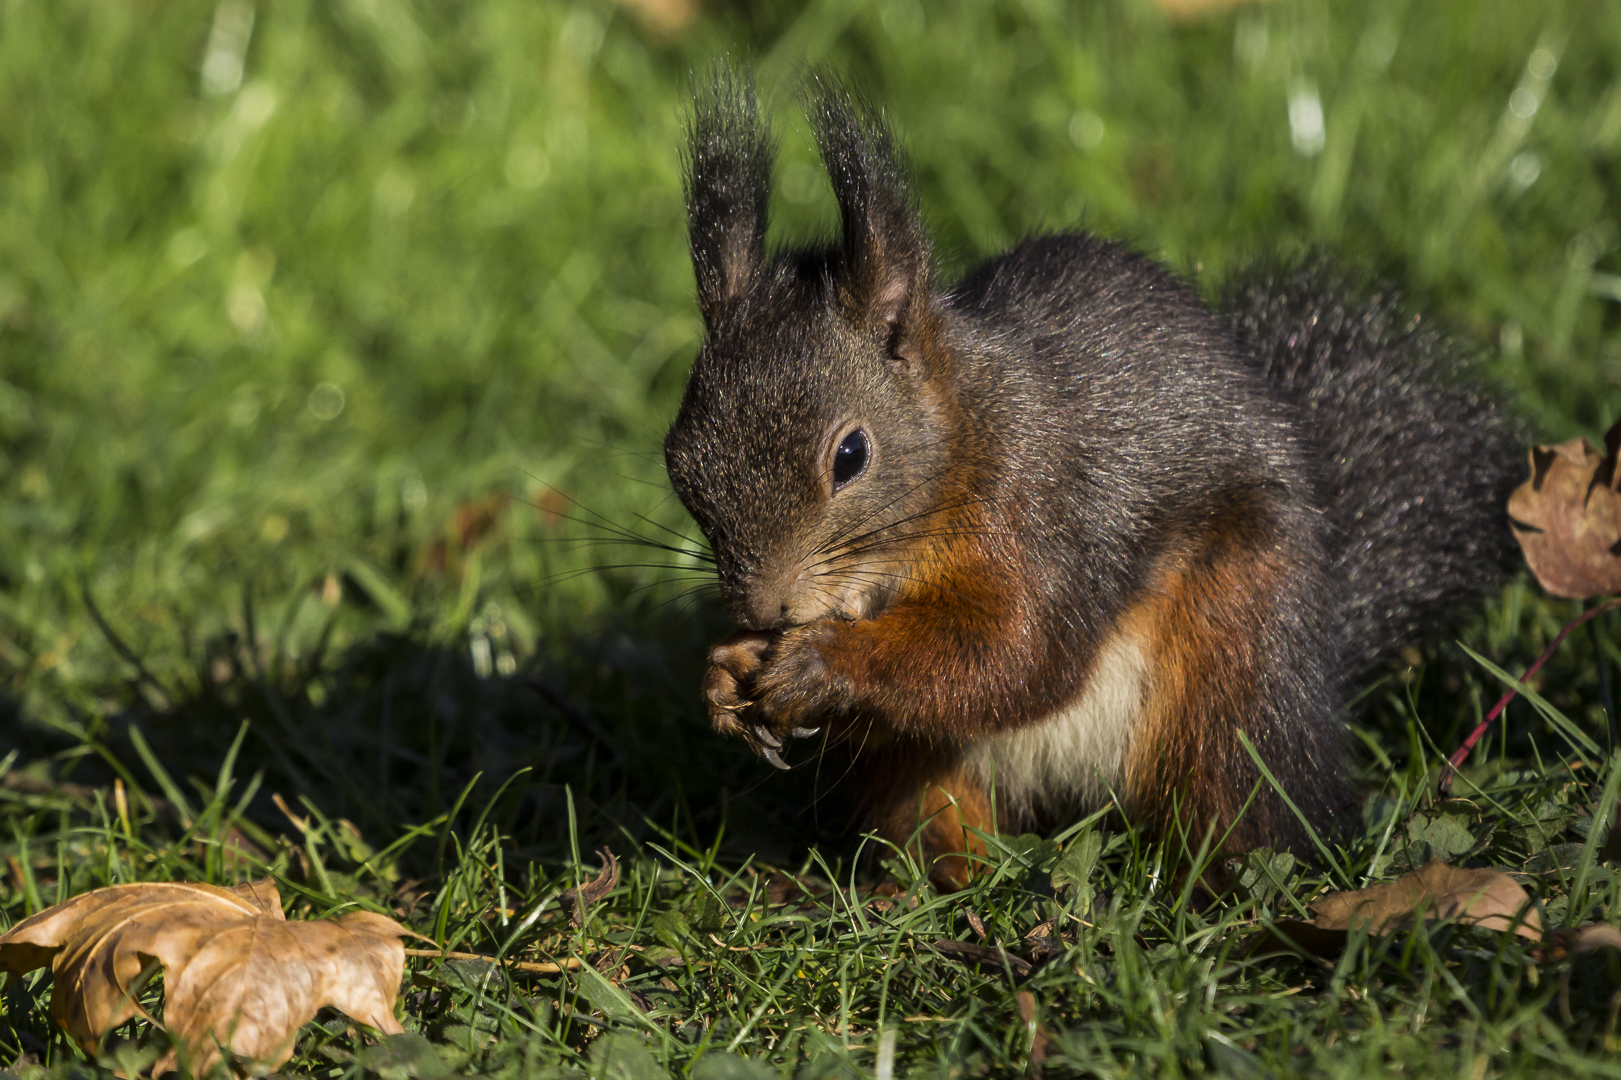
(268, 347)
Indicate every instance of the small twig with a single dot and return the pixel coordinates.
(1016, 967)
(1460, 755)
(571, 964)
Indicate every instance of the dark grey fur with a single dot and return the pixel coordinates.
(1416, 460)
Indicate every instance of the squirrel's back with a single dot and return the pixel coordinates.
(1415, 459)
(1299, 374)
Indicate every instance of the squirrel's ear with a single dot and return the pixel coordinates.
(884, 279)
(728, 186)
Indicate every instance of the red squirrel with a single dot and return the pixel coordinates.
(1055, 535)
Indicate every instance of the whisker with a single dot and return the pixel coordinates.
(857, 539)
(597, 520)
(616, 541)
(621, 535)
(665, 528)
(881, 578)
(616, 533)
(901, 538)
(598, 568)
(875, 511)
(975, 501)
(688, 596)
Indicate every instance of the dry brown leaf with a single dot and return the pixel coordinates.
(975, 922)
(1567, 517)
(237, 975)
(579, 901)
(1488, 898)
(1039, 1039)
(473, 521)
(1581, 939)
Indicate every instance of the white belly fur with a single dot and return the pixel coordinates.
(1071, 759)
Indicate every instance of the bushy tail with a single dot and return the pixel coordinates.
(1416, 460)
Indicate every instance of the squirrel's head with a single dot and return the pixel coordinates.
(808, 445)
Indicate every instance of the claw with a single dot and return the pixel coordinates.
(803, 732)
(772, 756)
(768, 738)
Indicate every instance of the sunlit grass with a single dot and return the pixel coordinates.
(337, 340)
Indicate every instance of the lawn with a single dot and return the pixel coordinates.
(337, 342)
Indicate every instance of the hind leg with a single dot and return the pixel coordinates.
(1236, 631)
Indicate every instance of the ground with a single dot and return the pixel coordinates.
(336, 346)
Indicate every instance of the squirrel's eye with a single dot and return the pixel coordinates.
(850, 458)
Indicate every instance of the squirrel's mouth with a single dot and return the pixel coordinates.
(848, 594)
(786, 609)
(845, 586)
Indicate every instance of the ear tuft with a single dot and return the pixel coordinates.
(884, 277)
(730, 151)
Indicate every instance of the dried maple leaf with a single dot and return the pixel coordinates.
(1488, 898)
(1567, 517)
(238, 976)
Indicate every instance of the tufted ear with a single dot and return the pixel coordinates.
(884, 276)
(728, 184)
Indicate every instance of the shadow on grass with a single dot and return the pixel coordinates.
(397, 731)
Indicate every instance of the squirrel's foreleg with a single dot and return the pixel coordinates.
(953, 658)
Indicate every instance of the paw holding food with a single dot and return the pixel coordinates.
(766, 688)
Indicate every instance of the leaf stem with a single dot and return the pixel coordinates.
(1461, 754)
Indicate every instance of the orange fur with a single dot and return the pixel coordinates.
(1203, 622)
(923, 799)
(949, 659)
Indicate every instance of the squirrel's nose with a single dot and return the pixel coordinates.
(765, 613)
(766, 604)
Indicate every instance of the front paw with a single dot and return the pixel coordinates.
(733, 665)
(795, 689)
(764, 688)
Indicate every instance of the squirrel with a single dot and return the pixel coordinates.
(1060, 535)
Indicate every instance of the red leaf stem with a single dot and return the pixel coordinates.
(1461, 754)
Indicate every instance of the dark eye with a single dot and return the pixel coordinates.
(850, 458)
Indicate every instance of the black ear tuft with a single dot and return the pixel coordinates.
(728, 185)
(885, 276)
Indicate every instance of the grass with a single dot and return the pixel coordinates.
(327, 329)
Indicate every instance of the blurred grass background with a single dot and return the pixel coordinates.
(283, 286)
(325, 327)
